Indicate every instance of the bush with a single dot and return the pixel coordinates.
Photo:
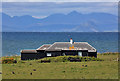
(8, 61)
(69, 59)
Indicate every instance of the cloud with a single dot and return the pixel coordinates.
(60, 0)
(39, 17)
(0, 7)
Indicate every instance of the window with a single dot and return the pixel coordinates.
(48, 54)
(80, 54)
(63, 54)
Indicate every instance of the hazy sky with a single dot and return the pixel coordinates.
(43, 9)
(60, 0)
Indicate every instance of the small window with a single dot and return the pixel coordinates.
(63, 54)
(48, 54)
(80, 54)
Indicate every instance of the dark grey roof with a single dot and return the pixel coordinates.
(44, 47)
(58, 46)
(66, 45)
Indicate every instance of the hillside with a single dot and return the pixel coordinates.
(71, 22)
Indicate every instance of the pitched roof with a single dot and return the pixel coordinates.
(67, 45)
(44, 47)
(58, 46)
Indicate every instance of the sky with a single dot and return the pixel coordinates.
(44, 9)
(60, 0)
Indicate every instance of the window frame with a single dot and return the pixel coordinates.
(49, 54)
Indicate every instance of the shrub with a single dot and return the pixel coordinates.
(69, 59)
(8, 61)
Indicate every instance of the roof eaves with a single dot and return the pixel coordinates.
(92, 47)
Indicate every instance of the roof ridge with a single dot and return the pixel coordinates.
(51, 45)
(42, 46)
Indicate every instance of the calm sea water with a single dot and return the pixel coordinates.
(13, 42)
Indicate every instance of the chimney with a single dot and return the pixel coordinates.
(71, 41)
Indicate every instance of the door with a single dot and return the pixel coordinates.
(80, 54)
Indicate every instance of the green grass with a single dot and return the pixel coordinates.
(107, 69)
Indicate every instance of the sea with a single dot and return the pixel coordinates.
(14, 42)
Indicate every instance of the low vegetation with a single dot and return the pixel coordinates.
(9, 61)
(105, 66)
(68, 59)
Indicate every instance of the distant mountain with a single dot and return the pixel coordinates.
(72, 22)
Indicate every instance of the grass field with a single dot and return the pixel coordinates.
(32, 69)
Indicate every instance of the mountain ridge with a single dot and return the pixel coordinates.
(71, 22)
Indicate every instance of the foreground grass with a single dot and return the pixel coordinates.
(107, 69)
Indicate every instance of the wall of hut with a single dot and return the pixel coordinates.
(42, 54)
(54, 53)
(28, 56)
(92, 54)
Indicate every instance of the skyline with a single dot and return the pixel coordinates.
(72, 22)
(44, 9)
(60, 0)
(73, 16)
